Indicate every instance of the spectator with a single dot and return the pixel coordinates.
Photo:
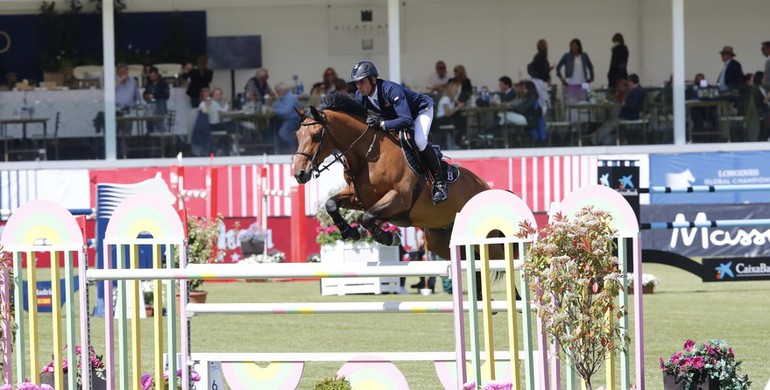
(258, 85)
(540, 71)
(328, 84)
(578, 71)
(126, 96)
(630, 110)
(766, 53)
(524, 110)
(448, 112)
(618, 61)
(197, 79)
(461, 78)
(214, 105)
(126, 89)
(287, 120)
(731, 77)
(438, 80)
(156, 94)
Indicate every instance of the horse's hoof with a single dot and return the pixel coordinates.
(396, 241)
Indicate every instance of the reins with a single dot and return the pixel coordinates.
(314, 168)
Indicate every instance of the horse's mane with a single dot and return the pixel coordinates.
(342, 102)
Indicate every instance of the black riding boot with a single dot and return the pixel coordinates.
(440, 189)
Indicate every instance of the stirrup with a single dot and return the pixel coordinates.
(440, 192)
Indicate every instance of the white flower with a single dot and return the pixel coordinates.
(647, 279)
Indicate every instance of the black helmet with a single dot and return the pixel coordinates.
(363, 69)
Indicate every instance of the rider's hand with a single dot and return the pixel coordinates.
(374, 122)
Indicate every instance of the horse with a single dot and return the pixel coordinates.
(379, 181)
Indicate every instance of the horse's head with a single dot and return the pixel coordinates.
(314, 144)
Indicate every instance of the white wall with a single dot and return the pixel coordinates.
(489, 37)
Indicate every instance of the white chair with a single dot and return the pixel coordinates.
(88, 75)
(137, 72)
(170, 72)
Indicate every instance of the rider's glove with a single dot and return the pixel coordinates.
(375, 123)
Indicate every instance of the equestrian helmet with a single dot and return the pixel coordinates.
(362, 70)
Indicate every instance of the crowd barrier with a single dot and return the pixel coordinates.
(491, 210)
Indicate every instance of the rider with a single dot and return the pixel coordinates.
(400, 108)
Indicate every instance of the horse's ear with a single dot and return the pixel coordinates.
(316, 114)
(299, 112)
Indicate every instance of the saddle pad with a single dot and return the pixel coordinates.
(412, 156)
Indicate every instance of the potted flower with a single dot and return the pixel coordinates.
(575, 281)
(252, 239)
(706, 367)
(98, 378)
(491, 385)
(148, 380)
(649, 281)
(335, 250)
(202, 239)
(261, 258)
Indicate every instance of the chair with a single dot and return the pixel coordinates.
(170, 73)
(137, 72)
(54, 138)
(88, 75)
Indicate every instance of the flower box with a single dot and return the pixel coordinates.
(249, 248)
(669, 383)
(645, 290)
(371, 253)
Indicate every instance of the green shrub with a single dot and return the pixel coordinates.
(339, 383)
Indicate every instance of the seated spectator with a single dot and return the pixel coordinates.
(448, 112)
(258, 85)
(631, 110)
(701, 117)
(524, 110)
(328, 84)
(213, 105)
(461, 78)
(438, 80)
(286, 119)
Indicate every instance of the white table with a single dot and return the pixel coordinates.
(78, 109)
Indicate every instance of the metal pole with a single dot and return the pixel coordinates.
(394, 40)
(108, 43)
(677, 16)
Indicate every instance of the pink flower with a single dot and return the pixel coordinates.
(46, 387)
(195, 377)
(6, 387)
(697, 362)
(147, 382)
(27, 386)
(688, 345)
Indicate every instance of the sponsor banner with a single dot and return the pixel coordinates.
(736, 269)
(359, 29)
(711, 169)
(707, 242)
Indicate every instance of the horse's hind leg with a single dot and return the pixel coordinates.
(332, 206)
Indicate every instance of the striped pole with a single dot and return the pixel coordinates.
(719, 188)
(6, 318)
(289, 270)
(717, 223)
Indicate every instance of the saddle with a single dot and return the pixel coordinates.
(412, 156)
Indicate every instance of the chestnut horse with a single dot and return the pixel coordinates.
(379, 181)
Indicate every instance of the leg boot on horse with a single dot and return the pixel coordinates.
(440, 189)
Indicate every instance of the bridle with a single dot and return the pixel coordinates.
(314, 164)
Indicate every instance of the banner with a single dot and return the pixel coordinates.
(736, 269)
(359, 29)
(707, 242)
(711, 169)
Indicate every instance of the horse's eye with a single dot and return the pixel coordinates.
(316, 137)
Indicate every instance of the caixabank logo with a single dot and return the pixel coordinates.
(736, 270)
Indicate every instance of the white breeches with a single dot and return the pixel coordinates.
(422, 128)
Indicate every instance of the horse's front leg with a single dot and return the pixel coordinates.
(388, 206)
(344, 199)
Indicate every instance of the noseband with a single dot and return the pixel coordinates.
(314, 164)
